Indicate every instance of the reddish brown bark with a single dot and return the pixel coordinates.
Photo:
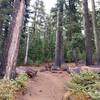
(12, 42)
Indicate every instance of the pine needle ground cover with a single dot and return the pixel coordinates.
(87, 83)
(8, 88)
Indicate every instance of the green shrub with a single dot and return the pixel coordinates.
(8, 88)
(88, 82)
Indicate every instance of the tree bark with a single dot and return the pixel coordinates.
(27, 48)
(5, 32)
(96, 35)
(58, 48)
(88, 33)
(62, 51)
(12, 42)
(1, 24)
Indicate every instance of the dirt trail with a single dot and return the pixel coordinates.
(46, 86)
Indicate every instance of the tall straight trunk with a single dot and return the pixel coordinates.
(5, 32)
(1, 68)
(62, 51)
(1, 24)
(27, 48)
(59, 32)
(88, 33)
(96, 35)
(12, 42)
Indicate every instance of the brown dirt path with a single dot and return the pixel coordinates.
(46, 86)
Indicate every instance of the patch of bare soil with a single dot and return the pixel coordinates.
(46, 86)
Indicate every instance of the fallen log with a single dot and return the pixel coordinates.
(84, 68)
(26, 70)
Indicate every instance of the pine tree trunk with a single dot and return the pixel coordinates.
(27, 49)
(1, 67)
(88, 33)
(59, 32)
(1, 24)
(62, 51)
(96, 35)
(5, 32)
(12, 42)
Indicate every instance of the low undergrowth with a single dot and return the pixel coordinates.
(87, 82)
(8, 88)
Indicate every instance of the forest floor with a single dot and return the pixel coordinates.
(46, 86)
